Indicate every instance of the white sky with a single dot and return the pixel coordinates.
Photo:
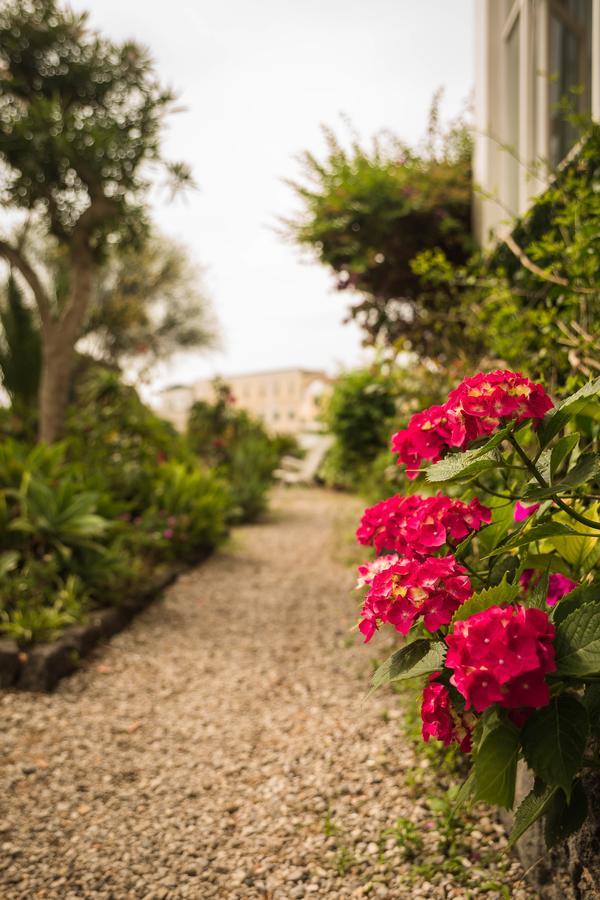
(257, 79)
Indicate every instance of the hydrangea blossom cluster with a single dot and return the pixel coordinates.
(433, 588)
(475, 409)
(502, 655)
(367, 571)
(558, 585)
(441, 720)
(417, 526)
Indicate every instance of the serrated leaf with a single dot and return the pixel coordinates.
(554, 739)
(536, 533)
(564, 817)
(585, 469)
(579, 596)
(495, 767)
(578, 642)
(555, 421)
(537, 596)
(461, 466)
(482, 600)
(504, 567)
(563, 447)
(532, 808)
(421, 657)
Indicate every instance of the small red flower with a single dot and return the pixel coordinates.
(475, 409)
(416, 526)
(502, 655)
(523, 512)
(433, 588)
(441, 720)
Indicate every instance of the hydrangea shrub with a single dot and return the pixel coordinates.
(494, 587)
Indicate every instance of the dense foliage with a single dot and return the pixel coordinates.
(367, 212)
(495, 587)
(394, 225)
(239, 448)
(86, 522)
(360, 413)
(544, 275)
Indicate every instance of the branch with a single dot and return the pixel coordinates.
(15, 258)
(536, 270)
(100, 209)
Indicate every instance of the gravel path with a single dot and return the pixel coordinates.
(218, 747)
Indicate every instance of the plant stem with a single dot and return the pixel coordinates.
(573, 514)
(495, 493)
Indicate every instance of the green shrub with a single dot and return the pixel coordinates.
(365, 406)
(85, 523)
(189, 511)
(240, 447)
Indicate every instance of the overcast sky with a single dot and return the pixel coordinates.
(257, 79)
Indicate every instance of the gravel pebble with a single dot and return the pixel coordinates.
(219, 748)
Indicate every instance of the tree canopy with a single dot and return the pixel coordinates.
(367, 211)
(80, 126)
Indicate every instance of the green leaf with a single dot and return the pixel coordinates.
(580, 549)
(503, 518)
(464, 792)
(587, 593)
(496, 766)
(537, 596)
(555, 421)
(564, 817)
(461, 466)
(536, 533)
(591, 701)
(554, 739)
(585, 469)
(504, 567)
(578, 642)
(482, 600)
(561, 450)
(8, 561)
(420, 657)
(532, 808)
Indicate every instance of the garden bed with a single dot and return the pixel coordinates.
(41, 667)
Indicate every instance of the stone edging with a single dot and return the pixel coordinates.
(42, 667)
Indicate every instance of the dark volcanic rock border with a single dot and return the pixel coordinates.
(41, 667)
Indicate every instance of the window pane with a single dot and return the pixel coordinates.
(570, 75)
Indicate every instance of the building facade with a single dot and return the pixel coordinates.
(286, 400)
(538, 61)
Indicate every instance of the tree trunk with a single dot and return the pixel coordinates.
(57, 363)
(59, 337)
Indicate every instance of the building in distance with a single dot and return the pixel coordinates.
(285, 400)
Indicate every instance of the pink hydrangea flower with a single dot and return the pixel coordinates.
(523, 512)
(475, 409)
(441, 720)
(416, 526)
(558, 585)
(433, 588)
(502, 655)
(168, 533)
(368, 570)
